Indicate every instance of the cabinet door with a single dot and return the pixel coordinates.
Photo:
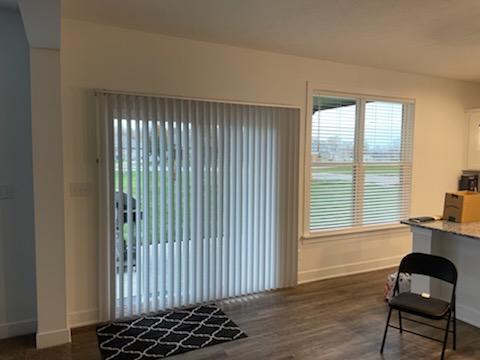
(473, 153)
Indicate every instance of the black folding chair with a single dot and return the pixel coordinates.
(121, 218)
(424, 305)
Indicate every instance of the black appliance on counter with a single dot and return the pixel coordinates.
(468, 182)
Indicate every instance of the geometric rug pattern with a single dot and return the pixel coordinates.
(164, 334)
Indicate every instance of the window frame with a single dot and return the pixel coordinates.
(312, 91)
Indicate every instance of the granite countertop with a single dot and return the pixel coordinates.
(470, 229)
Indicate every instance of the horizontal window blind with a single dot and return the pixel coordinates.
(361, 160)
(204, 199)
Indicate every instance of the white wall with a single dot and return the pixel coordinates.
(95, 56)
(17, 239)
(47, 145)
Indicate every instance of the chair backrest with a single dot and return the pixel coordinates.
(429, 265)
(125, 198)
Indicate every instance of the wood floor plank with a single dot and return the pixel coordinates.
(341, 318)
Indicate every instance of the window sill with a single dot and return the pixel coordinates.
(335, 235)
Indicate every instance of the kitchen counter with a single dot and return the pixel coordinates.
(460, 243)
(471, 230)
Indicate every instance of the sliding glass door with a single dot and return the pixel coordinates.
(201, 200)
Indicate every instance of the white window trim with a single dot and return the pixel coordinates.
(328, 235)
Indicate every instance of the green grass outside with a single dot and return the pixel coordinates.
(319, 188)
(343, 200)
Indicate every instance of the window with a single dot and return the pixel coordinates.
(360, 163)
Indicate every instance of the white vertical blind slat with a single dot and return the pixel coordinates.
(244, 183)
(266, 279)
(286, 151)
(185, 280)
(213, 201)
(193, 206)
(152, 110)
(238, 200)
(256, 119)
(134, 116)
(200, 203)
(219, 205)
(200, 208)
(274, 252)
(119, 217)
(290, 147)
(178, 176)
(130, 226)
(162, 273)
(212, 223)
(259, 258)
(226, 203)
(170, 200)
(145, 252)
(293, 231)
(233, 205)
(206, 220)
(250, 191)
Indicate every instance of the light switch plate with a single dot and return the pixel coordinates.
(80, 189)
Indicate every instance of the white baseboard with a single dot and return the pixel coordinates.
(11, 329)
(83, 318)
(347, 269)
(53, 338)
(469, 315)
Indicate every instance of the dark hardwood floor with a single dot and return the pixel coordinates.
(340, 318)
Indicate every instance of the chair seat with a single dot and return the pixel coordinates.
(418, 305)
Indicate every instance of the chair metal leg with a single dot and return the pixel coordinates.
(454, 327)
(400, 321)
(446, 335)
(386, 329)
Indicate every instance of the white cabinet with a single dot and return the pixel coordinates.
(473, 140)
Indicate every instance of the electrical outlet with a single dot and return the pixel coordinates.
(6, 191)
(80, 189)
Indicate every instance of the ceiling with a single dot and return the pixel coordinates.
(433, 37)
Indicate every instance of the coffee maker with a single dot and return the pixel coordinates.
(468, 182)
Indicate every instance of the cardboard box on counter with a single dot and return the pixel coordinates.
(462, 206)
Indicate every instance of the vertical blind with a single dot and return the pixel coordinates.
(361, 161)
(202, 200)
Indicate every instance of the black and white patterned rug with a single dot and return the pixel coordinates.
(160, 335)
